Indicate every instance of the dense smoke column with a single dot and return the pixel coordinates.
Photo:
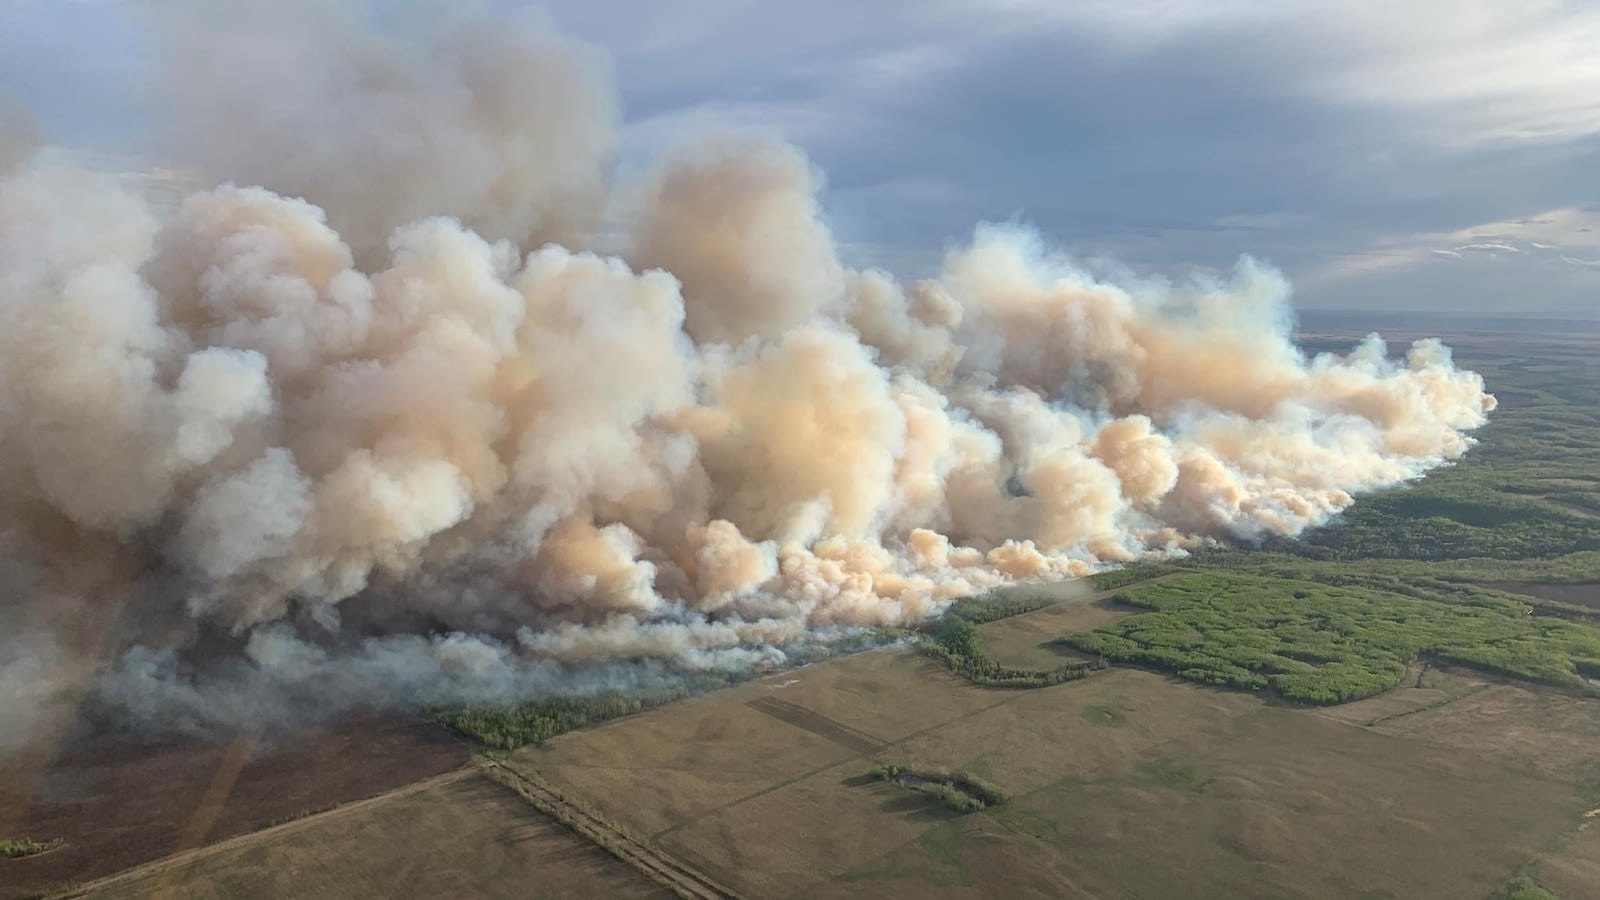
(313, 442)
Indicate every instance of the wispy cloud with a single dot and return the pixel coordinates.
(1503, 242)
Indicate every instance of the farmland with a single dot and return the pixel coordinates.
(461, 835)
(1237, 792)
(117, 804)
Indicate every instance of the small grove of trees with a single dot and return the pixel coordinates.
(1524, 888)
(959, 791)
(510, 726)
(955, 644)
(16, 848)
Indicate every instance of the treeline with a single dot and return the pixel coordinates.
(1118, 578)
(515, 725)
(1368, 533)
(1529, 491)
(997, 605)
(1571, 568)
(1295, 617)
(1319, 644)
(510, 727)
(956, 646)
(960, 791)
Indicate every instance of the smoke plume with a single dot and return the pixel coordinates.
(349, 428)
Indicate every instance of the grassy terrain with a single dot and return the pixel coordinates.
(1245, 799)
(468, 837)
(958, 791)
(118, 804)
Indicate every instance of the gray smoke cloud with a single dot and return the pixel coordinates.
(19, 133)
(350, 429)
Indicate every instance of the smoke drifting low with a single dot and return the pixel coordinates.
(386, 444)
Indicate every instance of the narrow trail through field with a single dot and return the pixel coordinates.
(171, 866)
(656, 865)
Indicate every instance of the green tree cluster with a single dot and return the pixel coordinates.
(1318, 643)
(955, 644)
(960, 791)
(507, 727)
(16, 848)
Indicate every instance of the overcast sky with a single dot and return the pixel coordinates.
(1402, 154)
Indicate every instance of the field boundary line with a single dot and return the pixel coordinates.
(888, 745)
(652, 862)
(809, 720)
(185, 857)
(1430, 707)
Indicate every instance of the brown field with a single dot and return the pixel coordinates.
(456, 837)
(121, 805)
(1029, 640)
(1529, 729)
(1574, 869)
(1580, 594)
(1424, 687)
(1124, 784)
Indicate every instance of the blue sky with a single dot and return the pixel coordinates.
(1392, 155)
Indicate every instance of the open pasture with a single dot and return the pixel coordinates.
(1126, 783)
(458, 836)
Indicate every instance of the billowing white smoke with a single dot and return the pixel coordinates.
(246, 466)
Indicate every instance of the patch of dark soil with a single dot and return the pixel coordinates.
(118, 803)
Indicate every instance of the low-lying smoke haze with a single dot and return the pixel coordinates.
(348, 428)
